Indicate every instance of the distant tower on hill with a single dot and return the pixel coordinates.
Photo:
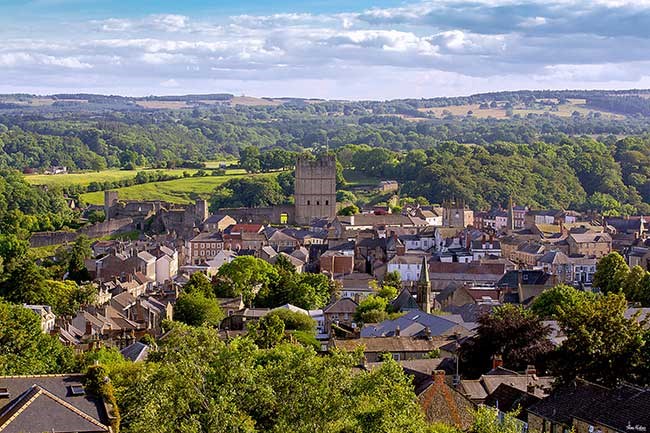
(424, 287)
(315, 188)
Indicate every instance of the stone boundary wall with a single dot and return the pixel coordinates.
(106, 228)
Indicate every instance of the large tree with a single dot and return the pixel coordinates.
(547, 304)
(611, 273)
(196, 382)
(196, 309)
(245, 276)
(602, 345)
(518, 335)
(25, 349)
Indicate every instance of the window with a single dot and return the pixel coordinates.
(317, 203)
(308, 203)
(327, 202)
(77, 390)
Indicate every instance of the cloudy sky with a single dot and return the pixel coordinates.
(322, 48)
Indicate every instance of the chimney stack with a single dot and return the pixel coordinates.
(438, 377)
(497, 361)
(397, 331)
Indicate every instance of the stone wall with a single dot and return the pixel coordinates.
(260, 215)
(106, 228)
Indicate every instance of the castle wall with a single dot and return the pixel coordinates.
(106, 228)
(261, 215)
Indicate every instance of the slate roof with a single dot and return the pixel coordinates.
(46, 403)
(613, 407)
(414, 323)
(136, 351)
(555, 258)
(404, 301)
(507, 398)
(590, 237)
(390, 344)
(208, 237)
(528, 278)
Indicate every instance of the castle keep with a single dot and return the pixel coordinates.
(315, 189)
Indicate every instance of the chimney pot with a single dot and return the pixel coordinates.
(397, 331)
(439, 376)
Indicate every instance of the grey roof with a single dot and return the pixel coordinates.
(554, 257)
(405, 301)
(135, 352)
(413, 323)
(46, 403)
(147, 257)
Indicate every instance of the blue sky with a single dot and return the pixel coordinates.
(327, 49)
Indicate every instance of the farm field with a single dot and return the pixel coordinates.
(179, 191)
(563, 110)
(85, 178)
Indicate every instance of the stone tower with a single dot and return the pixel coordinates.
(424, 287)
(201, 212)
(110, 199)
(315, 189)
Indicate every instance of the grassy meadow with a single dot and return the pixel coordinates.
(87, 177)
(174, 191)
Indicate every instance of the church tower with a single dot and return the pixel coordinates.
(424, 287)
(315, 188)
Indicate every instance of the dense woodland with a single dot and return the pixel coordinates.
(586, 162)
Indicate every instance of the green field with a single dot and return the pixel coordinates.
(85, 178)
(174, 191)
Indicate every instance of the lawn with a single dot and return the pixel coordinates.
(354, 178)
(174, 191)
(85, 178)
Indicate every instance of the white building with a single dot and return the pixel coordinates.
(221, 258)
(166, 264)
(46, 315)
(408, 266)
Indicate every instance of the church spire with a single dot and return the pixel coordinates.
(424, 287)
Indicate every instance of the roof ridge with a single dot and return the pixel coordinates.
(42, 391)
(25, 376)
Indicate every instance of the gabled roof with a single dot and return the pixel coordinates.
(414, 323)
(563, 404)
(136, 351)
(405, 301)
(554, 258)
(214, 219)
(147, 257)
(208, 237)
(343, 305)
(507, 398)
(46, 403)
(590, 237)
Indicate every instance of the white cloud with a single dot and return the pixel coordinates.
(418, 49)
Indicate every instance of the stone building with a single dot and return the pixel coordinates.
(315, 189)
(457, 215)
